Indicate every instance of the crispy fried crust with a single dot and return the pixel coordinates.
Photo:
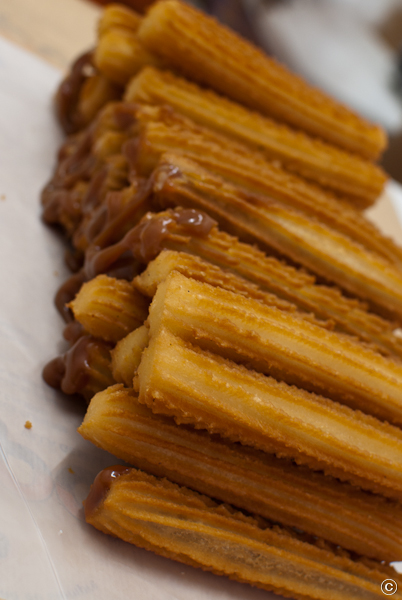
(168, 132)
(327, 253)
(126, 356)
(116, 15)
(279, 343)
(347, 174)
(109, 308)
(119, 55)
(204, 50)
(180, 524)
(200, 270)
(266, 274)
(269, 274)
(259, 483)
(178, 379)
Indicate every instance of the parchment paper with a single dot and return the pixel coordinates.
(47, 552)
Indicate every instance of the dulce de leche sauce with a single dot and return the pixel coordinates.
(69, 91)
(101, 486)
(145, 240)
(71, 371)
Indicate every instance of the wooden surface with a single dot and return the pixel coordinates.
(56, 30)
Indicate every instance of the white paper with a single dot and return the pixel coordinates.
(47, 552)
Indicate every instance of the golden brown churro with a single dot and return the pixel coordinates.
(327, 253)
(203, 389)
(178, 523)
(119, 55)
(126, 355)
(259, 483)
(200, 270)
(117, 15)
(202, 49)
(170, 230)
(359, 180)
(109, 308)
(165, 131)
(279, 343)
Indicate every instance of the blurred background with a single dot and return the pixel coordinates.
(350, 48)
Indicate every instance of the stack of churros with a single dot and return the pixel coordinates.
(233, 319)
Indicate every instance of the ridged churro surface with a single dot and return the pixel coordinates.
(202, 49)
(109, 308)
(327, 253)
(168, 132)
(117, 15)
(272, 386)
(164, 230)
(126, 355)
(174, 522)
(258, 483)
(209, 392)
(280, 343)
(359, 180)
(119, 55)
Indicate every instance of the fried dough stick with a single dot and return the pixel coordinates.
(327, 253)
(367, 326)
(346, 174)
(202, 49)
(119, 55)
(200, 270)
(248, 169)
(109, 308)
(162, 130)
(209, 392)
(180, 524)
(261, 484)
(170, 230)
(279, 343)
(117, 15)
(126, 355)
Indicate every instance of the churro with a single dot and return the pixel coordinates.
(178, 379)
(109, 308)
(259, 483)
(119, 55)
(168, 132)
(117, 15)
(202, 49)
(357, 179)
(279, 343)
(171, 230)
(333, 256)
(247, 378)
(181, 524)
(126, 355)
